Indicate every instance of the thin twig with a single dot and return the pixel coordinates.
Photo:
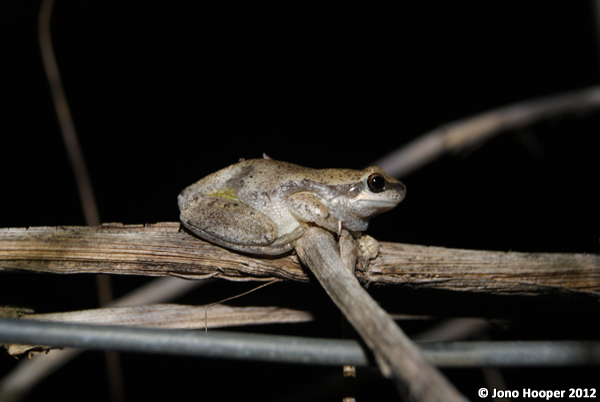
(82, 177)
(63, 113)
(456, 136)
(231, 298)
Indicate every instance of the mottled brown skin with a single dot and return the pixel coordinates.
(261, 206)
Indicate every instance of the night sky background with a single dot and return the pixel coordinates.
(163, 93)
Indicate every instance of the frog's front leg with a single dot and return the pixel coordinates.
(228, 223)
(306, 207)
(348, 246)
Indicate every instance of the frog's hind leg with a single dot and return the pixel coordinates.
(229, 223)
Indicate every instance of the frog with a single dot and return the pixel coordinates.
(262, 206)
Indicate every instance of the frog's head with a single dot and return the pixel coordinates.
(374, 193)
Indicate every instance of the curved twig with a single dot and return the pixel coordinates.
(458, 135)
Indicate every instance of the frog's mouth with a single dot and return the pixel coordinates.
(388, 199)
(380, 203)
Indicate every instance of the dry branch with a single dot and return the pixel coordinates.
(458, 135)
(484, 271)
(396, 355)
(175, 316)
(164, 250)
(160, 249)
(172, 316)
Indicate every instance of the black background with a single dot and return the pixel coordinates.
(163, 93)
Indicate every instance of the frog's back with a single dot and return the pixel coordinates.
(247, 179)
(258, 174)
(252, 173)
(268, 172)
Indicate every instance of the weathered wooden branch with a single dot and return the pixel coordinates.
(176, 316)
(160, 249)
(172, 316)
(484, 271)
(163, 249)
(397, 356)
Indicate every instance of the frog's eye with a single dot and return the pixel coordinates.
(376, 182)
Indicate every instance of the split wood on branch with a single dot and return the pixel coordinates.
(163, 249)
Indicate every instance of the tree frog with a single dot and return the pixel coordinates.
(261, 206)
